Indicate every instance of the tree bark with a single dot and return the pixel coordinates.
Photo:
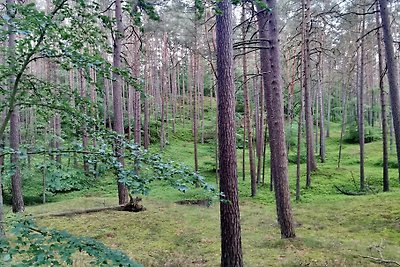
(194, 114)
(311, 163)
(361, 134)
(322, 148)
(344, 117)
(247, 114)
(16, 179)
(231, 245)
(275, 115)
(117, 100)
(85, 137)
(383, 104)
(392, 76)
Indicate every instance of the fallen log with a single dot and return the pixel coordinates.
(132, 206)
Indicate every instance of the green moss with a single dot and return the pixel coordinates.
(332, 229)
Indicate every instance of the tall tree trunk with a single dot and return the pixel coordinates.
(201, 94)
(311, 163)
(85, 137)
(194, 118)
(259, 99)
(146, 141)
(231, 245)
(299, 131)
(174, 97)
(383, 104)
(344, 117)
(392, 76)
(270, 67)
(117, 100)
(322, 148)
(16, 179)
(361, 133)
(247, 113)
(164, 101)
(328, 123)
(137, 101)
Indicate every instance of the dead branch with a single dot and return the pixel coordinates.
(381, 261)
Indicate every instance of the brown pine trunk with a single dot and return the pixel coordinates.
(117, 100)
(16, 179)
(231, 245)
(311, 163)
(85, 137)
(164, 101)
(201, 95)
(322, 148)
(344, 117)
(148, 84)
(270, 67)
(392, 76)
(383, 103)
(247, 113)
(194, 118)
(361, 108)
(137, 101)
(174, 94)
(299, 134)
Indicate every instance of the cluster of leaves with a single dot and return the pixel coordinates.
(62, 178)
(142, 167)
(30, 245)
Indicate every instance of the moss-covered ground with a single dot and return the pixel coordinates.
(332, 229)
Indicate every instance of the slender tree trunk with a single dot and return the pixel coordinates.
(231, 245)
(164, 90)
(247, 114)
(137, 100)
(344, 117)
(383, 103)
(316, 98)
(322, 148)
(299, 131)
(392, 76)
(311, 163)
(85, 137)
(117, 100)
(146, 141)
(259, 99)
(201, 94)
(328, 123)
(244, 150)
(174, 93)
(194, 118)
(292, 79)
(361, 109)
(270, 67)
(16, 179)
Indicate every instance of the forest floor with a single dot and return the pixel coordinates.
(332, 229)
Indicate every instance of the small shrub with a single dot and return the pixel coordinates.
(352, 137)
(392, 163)
(292, 158)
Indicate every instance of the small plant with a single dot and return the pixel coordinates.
(370, 135)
